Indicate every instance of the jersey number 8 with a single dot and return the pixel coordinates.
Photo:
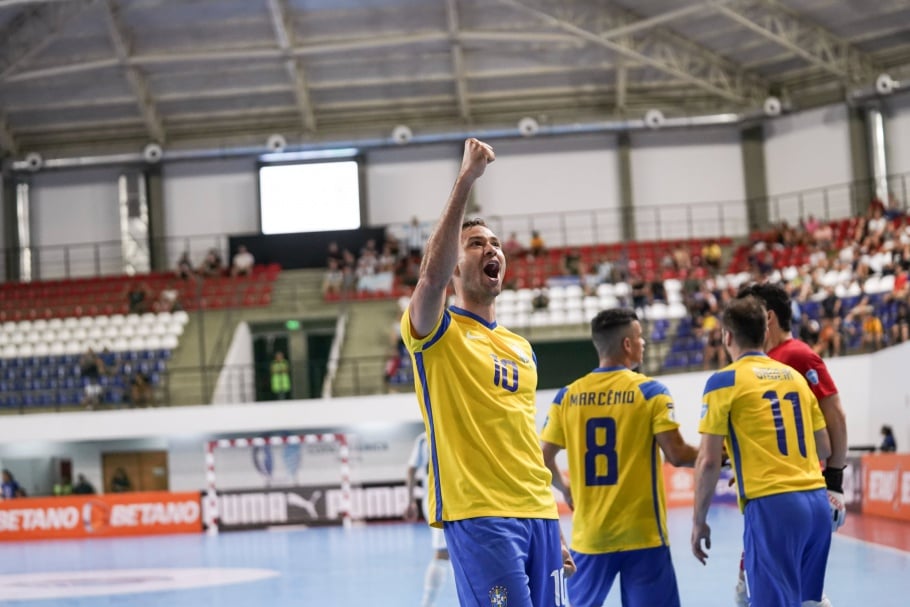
(597, 449)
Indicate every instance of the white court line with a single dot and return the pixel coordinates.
(71, 584)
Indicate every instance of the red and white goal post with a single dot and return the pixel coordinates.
(212, 516)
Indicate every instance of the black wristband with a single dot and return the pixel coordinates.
(834, 479)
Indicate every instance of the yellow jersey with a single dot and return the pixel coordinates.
(606, 422)
(769, 417)
(476, 383)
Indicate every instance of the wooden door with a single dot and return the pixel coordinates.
(146, 470)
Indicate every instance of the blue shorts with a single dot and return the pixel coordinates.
(647, 578)
(514, 562)
(787, 538)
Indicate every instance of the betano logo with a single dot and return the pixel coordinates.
(97, 515)
(39, 519)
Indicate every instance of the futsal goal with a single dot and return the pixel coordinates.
(263, 481)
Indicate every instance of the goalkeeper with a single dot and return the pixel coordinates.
(782, 346)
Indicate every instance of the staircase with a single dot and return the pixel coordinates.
(371, 333)
(296, 293)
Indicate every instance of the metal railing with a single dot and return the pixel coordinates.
(558, 228)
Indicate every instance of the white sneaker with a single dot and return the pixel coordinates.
(740, 594)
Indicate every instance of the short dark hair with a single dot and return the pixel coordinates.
(608, 329)
(472, 222)
(747, 320)
(774, 297)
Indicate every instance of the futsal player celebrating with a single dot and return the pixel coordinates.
(476, 384)
(611, 422)
(774, 431)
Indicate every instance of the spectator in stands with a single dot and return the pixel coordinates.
(657, 292)
(91, 368)
(824, 236)
(714, 355)
(512, 247)
(877, 223)
(280, 374)
(387, 259)
(537, 246)
(889, 445)
(120, 482)
(571, 263)
(141, 393)
(711, 255)
(64, 487)
(212, 265)
(333, 281)
(243, 262)
(138, 298)
(873, 330)
(811, 224)
(639, 290)
(416, 237)
(894, 210)
(681, 258)
(541, 299)
(900, 329)
(348, 272)
(82, 486)
(334, 252)
(168, 300)
(10, 488)
(185, 269)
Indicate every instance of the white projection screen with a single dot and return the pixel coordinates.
(309, 197)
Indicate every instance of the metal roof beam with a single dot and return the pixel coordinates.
(136, 79)
(664, 51)
(284, 36)
(34, 30)
(815, 44)
(461, 85)
(7, 141)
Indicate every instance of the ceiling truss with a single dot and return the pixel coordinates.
(134, 76)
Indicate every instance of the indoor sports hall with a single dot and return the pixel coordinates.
(214, 213)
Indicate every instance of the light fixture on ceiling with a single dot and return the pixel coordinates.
(152, 153)
(772, 106)
(34, 161)
(528, 127)
(654, 119)
(276, 143)
(885, 84)
(402, 134)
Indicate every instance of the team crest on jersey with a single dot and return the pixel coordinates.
(499, 596)
(812, 376)
(672, 414)
(704, 409)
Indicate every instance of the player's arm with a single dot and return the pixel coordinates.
(676, 450)
(707, 471)
(836, 420)
(550, 452)
(822, 444)
(442, 248)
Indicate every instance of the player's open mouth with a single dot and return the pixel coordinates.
(491, 268)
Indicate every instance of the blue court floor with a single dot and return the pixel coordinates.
(378, 565)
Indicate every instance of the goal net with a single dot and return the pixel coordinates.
(263, 481)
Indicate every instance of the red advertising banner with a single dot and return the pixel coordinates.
(112, 515)
(886, 485)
